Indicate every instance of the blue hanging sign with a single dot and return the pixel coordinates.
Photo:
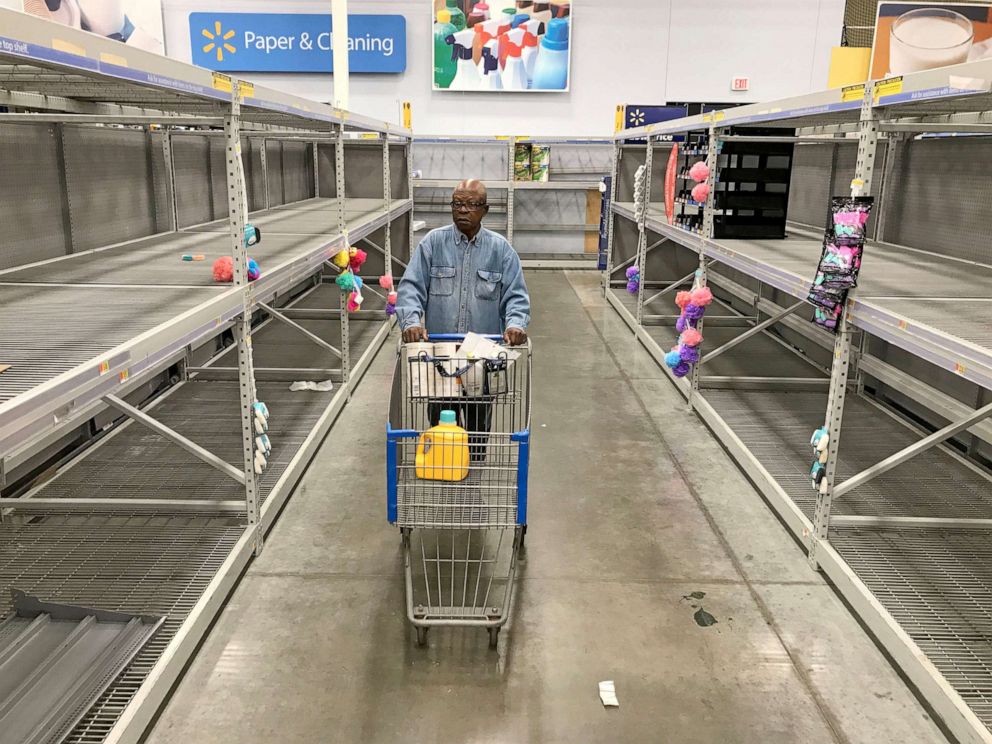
(295, 42)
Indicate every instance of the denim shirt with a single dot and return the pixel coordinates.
(463, 285)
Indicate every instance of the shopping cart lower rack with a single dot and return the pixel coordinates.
(461, 537)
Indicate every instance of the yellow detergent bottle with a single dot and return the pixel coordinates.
(442, 452)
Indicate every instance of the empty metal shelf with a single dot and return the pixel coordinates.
(55, 662)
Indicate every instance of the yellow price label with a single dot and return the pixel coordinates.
(708, 117)
(124, 374)
(113, 59)
(104, 367)
(903, 325)
(407, 115)
(223, 82)
(69, 48)
(888, 87)
(618, 119)
(719, 115)
(246, 89)
(852, 93)
(369, 135)
(959, 368)
(502, 136)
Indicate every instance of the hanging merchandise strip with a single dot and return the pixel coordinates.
(840, 261)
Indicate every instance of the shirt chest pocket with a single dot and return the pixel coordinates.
(487, 287)
(442, 280)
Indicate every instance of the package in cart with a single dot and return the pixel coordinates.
(489, 366)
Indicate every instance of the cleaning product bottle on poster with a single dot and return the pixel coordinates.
(444, 65)
(479, 14)
(519, 20)
(457, 14)
(514, 73)
(533, 31)
(561, 9)
(484, 33)
(442, 451)
(541, 12)
(492, 78)
(551, 68)
(525, 6)
(467, 73)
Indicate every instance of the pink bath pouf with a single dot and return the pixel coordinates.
(699, 171)
(691, 337)
(702, 296)
(700, 191)
(682, 299)
(224, 269)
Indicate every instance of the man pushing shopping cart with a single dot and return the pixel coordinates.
(459, 421)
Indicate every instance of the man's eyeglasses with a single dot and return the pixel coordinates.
(457, 206)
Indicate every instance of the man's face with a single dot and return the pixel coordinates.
(469, 207)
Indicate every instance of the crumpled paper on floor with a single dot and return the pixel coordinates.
(321, 387)
(608, 694)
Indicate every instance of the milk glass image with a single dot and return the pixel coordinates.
(926, 38)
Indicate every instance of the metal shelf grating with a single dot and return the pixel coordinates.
(138, 463)
(776, 426)
(50, 330)
(148, 565)
(937, 584)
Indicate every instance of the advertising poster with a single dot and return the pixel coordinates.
(910, 37)
(137, 23)
(508, 47)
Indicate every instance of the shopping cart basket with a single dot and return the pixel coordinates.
(461, 539)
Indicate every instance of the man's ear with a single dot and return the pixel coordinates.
(485, 210)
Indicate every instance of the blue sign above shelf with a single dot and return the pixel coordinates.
(295, 42)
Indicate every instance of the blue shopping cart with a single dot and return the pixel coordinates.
(461, 539)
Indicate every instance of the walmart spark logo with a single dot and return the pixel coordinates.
(636, 117)
(218, 41)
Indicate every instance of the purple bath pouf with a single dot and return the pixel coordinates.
(632, 271)
(681, 369)
(689, 354)
(694, 312)
(633, 285)
(681, 324)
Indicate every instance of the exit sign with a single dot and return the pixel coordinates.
(740, 83)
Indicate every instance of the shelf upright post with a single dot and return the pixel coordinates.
(339, 194)
(316, 169)
(614, 173)
(894, 152)
(265, 173)
(242, 327)
(642, 233)
(409, 178)
(712, 160)
(861, 185)
(387, 196)
(170, 178)
(511, 151)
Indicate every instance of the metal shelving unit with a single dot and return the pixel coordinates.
(495, 156)
(903, 526)
(126, 423)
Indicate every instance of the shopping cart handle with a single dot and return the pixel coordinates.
(461, 336)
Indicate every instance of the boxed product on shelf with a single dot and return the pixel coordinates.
(540, 163)
(522, 163)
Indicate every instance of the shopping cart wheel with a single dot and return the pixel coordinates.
(523, 536)
(405, 535)
(421, 636)
(493, 637)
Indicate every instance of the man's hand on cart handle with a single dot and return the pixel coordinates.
(515, 336)
(413, 334)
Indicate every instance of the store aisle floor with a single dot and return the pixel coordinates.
(635, 510)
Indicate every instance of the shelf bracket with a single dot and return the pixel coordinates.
(175, 437)
(907, 453)
(753, 331)
(296, 326)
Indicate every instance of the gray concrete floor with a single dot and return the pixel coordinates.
(634, 507)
